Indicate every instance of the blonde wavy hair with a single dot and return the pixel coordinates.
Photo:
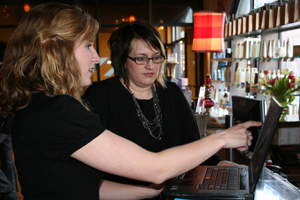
(40, 55)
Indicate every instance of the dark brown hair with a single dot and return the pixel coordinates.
(121, 41)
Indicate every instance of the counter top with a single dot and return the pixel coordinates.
(272, 186)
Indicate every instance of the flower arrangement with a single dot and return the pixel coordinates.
(282, 88)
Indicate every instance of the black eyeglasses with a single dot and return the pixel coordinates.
(145, 60)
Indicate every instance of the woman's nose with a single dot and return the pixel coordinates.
(95, 57)
(150, 64)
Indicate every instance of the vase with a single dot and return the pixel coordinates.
(285, 110)
(282, 116)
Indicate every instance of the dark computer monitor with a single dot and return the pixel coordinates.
(245, 109)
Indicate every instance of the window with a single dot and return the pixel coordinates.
(261, 3)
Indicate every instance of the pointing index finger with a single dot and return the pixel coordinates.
(251, 123)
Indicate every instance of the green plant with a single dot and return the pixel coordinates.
(283, 88)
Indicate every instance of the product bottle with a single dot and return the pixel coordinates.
(248, 76)
(270, 49)
(228, 97)
(278, 73)
(219, 74)
(223, 73)
(289, 47)
(273, 74)
(264, 49)
(253, 50)
(220, 95)
(238, 50)
(278, 44)
(242, 77)
(253, 76)
(250, 47)
(284, 46)
(274, 45)
(269, 75)
(246, 49)
(227, 74)
(237, 76)
(215, 74)
(281, 74)
(215, 95)
(241, 50)
(257, 51)
(225, 96)
(261, 79)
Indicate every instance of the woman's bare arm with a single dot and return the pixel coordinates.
(113, 154)
(117, 191)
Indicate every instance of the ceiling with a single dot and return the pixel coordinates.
(223, 5)
(104, 2)
(111, 12)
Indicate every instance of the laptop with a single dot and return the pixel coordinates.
(223, 182)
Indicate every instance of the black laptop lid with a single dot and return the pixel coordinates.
(264, 142)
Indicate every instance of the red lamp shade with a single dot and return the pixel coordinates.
(208, 31)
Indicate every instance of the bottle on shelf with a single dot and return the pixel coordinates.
(264, 53)
(219, 75)
(270, 49)
(242, 77)
(253, 76)
(257, 51)
(273, 74)
(237, 76)
(278, 44)
(240, 50)
(215, 74)
(223, 72)
(267, 74)
(281, 74)
(227, 73)
(253, 49)
(289, 47)
(248, 74)
(274, 45)
(246, 48)
(250, 48)
(225, 96)
(261, 79)
(228, 53)
(237, 50)
(278, 73)
(284, 43)
(217, 96)
(221, 95)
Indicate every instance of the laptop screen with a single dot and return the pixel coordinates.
(265, 140)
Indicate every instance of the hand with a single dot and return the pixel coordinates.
(238, 136)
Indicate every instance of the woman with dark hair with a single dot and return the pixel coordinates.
(138, 104)
(60, 147)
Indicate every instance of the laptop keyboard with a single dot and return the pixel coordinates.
(220, 178)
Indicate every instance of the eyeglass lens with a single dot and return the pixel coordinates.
(145, 60)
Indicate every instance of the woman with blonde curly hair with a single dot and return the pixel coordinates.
(60, 147)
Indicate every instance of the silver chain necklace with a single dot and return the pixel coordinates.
(150, 126)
